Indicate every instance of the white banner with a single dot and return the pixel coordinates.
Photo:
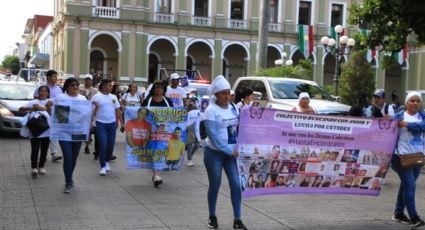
(70, 120)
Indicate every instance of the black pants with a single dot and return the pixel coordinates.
(42, 145)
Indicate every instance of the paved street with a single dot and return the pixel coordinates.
(126, 199)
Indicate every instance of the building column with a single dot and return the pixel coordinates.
(183, 15)
(142, 56)
(251, 64)
(123, 63)
(69, 50)
(217, 62)
(84, 51)
(319, 66)
(181, 57)
(219, 17)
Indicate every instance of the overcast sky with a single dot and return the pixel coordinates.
(13, 17)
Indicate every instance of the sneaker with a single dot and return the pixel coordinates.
(113, 158)
(87, 150)
(237, 224)
(95, 157)
(212, 222)
(416, 222)
(56, 157)
(190, 163)
(42, 171)
(67, 189)
(157, 180)
(107, 167)
(400, 217)
(34, 173)
(102, 171)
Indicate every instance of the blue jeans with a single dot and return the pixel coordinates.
(70, 151)
(407, 190)
(191, 149)
(214, 162)
(105, 133)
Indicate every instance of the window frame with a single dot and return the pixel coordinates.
(209, 9)
(344, 13)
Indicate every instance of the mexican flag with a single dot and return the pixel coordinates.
(401, 56)
(371, 53)
(306, 39)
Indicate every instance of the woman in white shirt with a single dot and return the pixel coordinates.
(41, 142)
(131, 97)
(304, 104)
(411, 140)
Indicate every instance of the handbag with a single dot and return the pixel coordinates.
(37, 124)
(408, 161)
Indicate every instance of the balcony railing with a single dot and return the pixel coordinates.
(106, 12)
(163, 18)
(237, 24)
(275, 27)
(201, 21)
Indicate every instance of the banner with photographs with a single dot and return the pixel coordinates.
(155, 137)
(70, 120)
(285, 153)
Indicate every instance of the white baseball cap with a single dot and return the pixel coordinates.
(89, 76)
(175, 76)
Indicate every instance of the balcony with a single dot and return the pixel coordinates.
(106, 12)
(163, 18)
(237, 24)
(201, 21)
(275, 27)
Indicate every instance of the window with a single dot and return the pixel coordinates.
(337, 14)
(304, 13)
(236, 9)
(201, 8)
(163, 6)
(107, 3)
(274, 11)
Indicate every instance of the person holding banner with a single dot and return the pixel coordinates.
(410, 141)
(221, 122)
(156, 97)
(107, 114)
(70, 149)
(304, 104)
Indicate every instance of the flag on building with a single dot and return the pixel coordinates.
(401, 56)
(306, 39)
(371, 53)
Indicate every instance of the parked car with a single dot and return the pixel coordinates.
(13, 94)
(282, 93)
(201, 86)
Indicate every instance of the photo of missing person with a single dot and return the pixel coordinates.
(364, 184)
(327, 182)
(274, 166)
(375, 184)
(61, 114)
(271, 180)
(260, 182)
(284, 168)
(325, 155)
(334, 155)
(305, 181)
(293, 168)
(280, 181)
(350, 155)
(356, 182)
(251, 182)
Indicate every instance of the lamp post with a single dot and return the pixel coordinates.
(339, 47)
(280, 62)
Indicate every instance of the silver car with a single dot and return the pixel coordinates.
(13, 94)
(282, 93)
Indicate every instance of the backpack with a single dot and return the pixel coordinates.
(376, 112)
(203, 130)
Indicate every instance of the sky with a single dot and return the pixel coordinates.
(13, 18)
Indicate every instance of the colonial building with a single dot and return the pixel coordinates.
(131, 40)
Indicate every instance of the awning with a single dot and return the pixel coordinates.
(40, 59)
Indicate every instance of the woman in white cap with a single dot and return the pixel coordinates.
(304, 104)
(221, 122)
(411, 140)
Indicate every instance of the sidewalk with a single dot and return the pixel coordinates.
(126, 199)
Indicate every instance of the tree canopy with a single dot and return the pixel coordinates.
(12, 63)
(304, 70)
(390, 21)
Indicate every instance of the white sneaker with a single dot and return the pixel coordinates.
(42, 171)
(34, 173)
(107, 167)
(190, 163)
(102, 171)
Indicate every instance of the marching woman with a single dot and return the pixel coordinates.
(221, 122)
(70, 149)
(156, 97)
(41, 142)
(410, 141)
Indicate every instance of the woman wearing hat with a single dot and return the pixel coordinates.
(221, 121)
(156, 97)
(410, 140)
(304, 104)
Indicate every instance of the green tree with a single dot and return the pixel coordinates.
(356, 79)
(304, 70)
(12, 63)
(390, 21)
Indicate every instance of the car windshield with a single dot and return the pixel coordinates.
(202, 89)
(291, 90)
(17, 92)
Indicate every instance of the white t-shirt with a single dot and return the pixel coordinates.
(135, 100)
(407, 143)
(226, 122)
(194, 116)
(108, 103)
(41, 103)
(176, 95)
(65, 96)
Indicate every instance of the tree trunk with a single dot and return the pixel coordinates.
(263, 34)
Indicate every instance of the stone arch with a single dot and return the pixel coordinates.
(156, 38)
(245, 47)
(114, 35)
(206, 42)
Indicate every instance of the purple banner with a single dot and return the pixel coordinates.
(283, 152)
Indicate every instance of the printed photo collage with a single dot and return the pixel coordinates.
(266, 166)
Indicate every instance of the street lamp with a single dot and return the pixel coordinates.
(339, 47)
(280, 62)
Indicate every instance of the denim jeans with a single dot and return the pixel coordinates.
(70, 151)
(407, 190)
(105, 133)
(39, 145)
(191, 149)
(214, 162)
